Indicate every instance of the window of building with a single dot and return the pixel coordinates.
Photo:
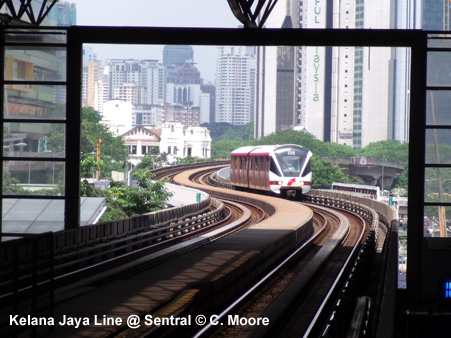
(34, 90)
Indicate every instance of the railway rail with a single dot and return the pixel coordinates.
(98, 261)
(137, 245)
(298, 294)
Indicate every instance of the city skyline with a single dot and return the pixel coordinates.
(171, 13)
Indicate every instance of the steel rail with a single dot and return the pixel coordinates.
(337, 284)
(245, 296)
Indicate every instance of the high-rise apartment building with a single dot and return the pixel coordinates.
(130, 92)
(148, 74)
(84, 87)
(121, 71)
(153, 79)
(88, 55)
(91, 74)
(187, 115)
(235, 69)
(149, 115)
(343, 95)
(95, 73)
(101, 96)
(210, 89)
(276, 103)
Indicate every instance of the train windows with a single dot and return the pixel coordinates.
(308, 169)
(291, 160)
(238, 162)
(273, 168)
(290, 165)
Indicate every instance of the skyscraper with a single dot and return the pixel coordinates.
(339, 94)
(278, 77)
(177, 55)
(210, 89)
(153, 78)
(148, 74)
(95, 73)
(235, 68)
(64, 13)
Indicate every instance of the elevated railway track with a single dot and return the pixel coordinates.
(288, 226)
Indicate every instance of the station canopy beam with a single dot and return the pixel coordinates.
(248, 11)
(25, 12)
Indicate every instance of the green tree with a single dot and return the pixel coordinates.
(113, 150)
(88, 167)
(390, 150)
(223, 148)
(56, 138)
(128, 201)
(189, 159)
(325, 173)
(222, 130)
(152, 161)
(11, 185)
(444, 151)
(306, 140)
(339, 150)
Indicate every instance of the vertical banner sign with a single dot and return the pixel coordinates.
(314, 68)
(316, 64)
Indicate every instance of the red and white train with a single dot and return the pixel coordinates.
(283, 170)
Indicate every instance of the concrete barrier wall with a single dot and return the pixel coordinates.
(93, 234)
(385, 212)
(103, 232)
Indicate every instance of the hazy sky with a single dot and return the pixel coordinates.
(157, 13)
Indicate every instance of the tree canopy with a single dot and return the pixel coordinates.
(122, 201)
(125, 201)
(326, 173)
(113, 150)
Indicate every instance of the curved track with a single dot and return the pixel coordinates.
(291, 297)
(226, 267)
(321, 265)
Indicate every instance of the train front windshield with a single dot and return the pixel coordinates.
(291, 160)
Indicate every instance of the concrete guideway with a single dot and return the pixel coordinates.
(221, 268)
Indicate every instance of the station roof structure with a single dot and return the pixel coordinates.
(25, 12)
(46, 214)
(248, 11)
